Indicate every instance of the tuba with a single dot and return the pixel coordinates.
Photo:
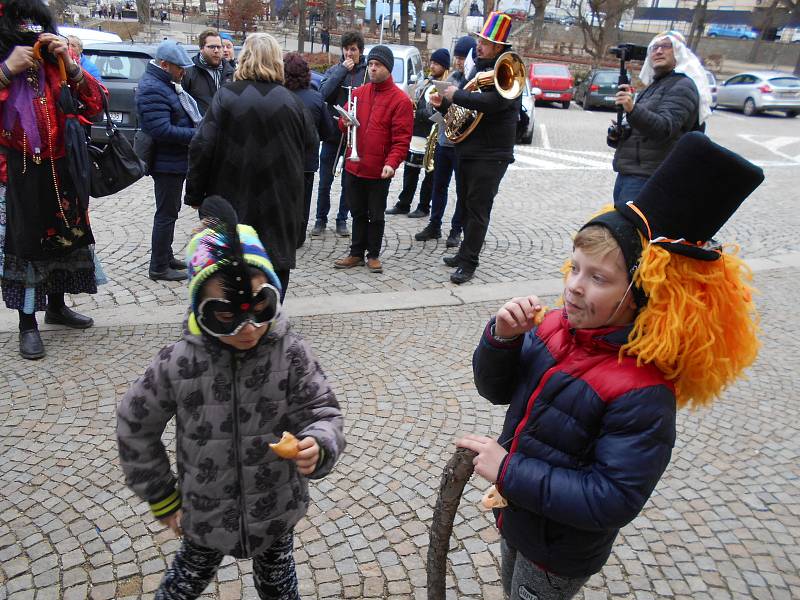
(508, 77)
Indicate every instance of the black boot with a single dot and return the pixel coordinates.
(398, 209)
(431, 232)
(58, 313)
(453, 240)
(30, 342)
(461, 275)
(451, 261)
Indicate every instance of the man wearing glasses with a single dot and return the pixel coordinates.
(676, 101)
(209, 72)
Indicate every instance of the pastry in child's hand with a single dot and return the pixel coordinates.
(493, 499)
(539, 316)
(287, 446)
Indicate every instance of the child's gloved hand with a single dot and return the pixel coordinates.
(173, 521)
(308, 456)
(490, 454)
(518, 316)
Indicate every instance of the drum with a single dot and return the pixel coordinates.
(416, 152)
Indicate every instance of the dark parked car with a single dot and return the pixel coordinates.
(121, 65)
(598, 89)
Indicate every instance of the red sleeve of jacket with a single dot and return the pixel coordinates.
(402, 127)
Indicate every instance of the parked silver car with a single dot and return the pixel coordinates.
(756, 91)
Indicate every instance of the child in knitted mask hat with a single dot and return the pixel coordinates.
(238, 379)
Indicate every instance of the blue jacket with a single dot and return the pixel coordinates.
(91, 68)
(163, 118)
(326, 128)
(588, 437)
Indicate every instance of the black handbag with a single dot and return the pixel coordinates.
(115, 166)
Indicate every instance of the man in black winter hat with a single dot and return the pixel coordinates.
(439, 64)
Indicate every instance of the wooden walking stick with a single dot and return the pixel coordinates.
(455, 476)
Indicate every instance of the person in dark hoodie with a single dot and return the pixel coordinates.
(297, 78)
(351, 72)
(209, 71)
(483, 157)
(237, 380)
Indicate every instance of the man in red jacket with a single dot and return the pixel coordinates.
(385, 117)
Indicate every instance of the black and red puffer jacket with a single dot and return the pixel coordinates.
(588, 437)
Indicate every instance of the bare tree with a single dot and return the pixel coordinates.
(329, 14)
(538, 20)
(698, 24)
(404, 21)
(373, 6)
(418, 25)
(600, 26)
(301, 25)
(143, 11)
(242, 14)
(766, 26)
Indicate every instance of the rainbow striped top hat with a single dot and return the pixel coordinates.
(496, 28)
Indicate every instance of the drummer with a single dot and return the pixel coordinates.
(438, 66)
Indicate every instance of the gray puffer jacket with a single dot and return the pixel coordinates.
(663, 112)
(237, 495)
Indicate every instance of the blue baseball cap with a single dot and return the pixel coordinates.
(173, 52)
(226, 36)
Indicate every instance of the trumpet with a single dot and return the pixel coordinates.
(352, 132)
(350, 115)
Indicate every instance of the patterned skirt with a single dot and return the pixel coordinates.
(35, 258)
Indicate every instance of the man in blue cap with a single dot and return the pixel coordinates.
(169, 116)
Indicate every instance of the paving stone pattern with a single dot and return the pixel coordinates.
(723, 523)
(535, 214)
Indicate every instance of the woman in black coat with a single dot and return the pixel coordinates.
(298, 79)
(251, 149)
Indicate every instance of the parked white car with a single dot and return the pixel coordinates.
(407, 70)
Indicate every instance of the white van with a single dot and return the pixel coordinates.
(408, 70)
(89, 36)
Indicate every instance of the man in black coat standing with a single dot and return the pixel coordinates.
(351, 72)
(209, 72)
(483, 157)
(676, 101)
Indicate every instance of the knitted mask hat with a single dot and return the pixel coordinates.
(227, 250)
(696, 321)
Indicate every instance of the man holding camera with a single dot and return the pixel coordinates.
(676, 101)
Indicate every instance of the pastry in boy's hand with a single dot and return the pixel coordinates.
(493, 499)
(287, 446)
(538, 316)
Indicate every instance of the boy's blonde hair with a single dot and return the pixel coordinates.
(261, 59)
(597, 240)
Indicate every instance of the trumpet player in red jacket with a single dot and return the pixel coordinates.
(385, 117)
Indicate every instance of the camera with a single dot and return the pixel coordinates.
(626, 52)
(618, 132)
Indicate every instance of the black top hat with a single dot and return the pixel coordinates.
(691, 195)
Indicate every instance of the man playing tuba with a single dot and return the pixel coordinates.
(484, 154)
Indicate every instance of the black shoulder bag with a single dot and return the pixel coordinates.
(115, 166)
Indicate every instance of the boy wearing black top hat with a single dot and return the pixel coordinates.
(656, 316)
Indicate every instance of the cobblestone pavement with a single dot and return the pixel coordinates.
(551, 189)
(723, 523)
